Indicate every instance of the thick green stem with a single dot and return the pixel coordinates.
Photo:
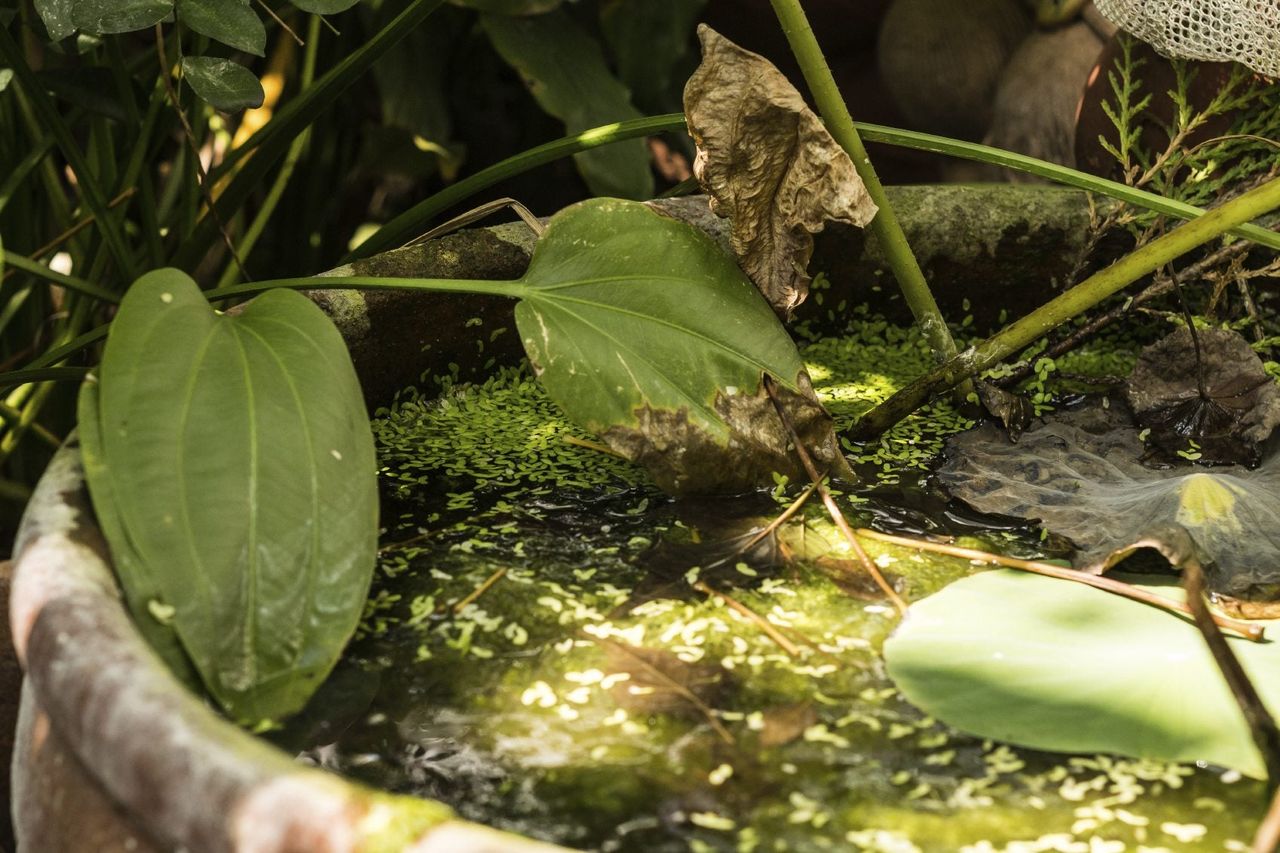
(885, 226)
(1074, 302)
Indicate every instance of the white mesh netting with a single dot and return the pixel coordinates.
(1244, 31)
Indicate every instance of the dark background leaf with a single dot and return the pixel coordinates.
(565, 70)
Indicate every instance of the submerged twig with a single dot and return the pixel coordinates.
(684, 692)
(829, 502)
(1248, 630)
(755, 618)
(480, 590)
(1266, 736)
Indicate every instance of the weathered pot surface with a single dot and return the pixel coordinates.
(113, 754)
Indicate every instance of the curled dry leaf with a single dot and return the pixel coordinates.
(769, 165)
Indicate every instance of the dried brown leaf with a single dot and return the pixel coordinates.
(769, 165)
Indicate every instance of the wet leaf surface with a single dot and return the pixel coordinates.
(769, 165)
(1080, 475)
(1229, 423)
(1056, 665)
(662, 354)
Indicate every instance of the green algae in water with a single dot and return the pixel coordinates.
(483, 677)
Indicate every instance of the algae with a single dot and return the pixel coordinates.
(513, 555)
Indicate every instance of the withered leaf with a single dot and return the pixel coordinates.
(769, 165)
(1012, 410)
(1079, 473)
(661, 683)
(1237, 412)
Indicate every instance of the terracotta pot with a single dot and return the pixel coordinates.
(112, 754)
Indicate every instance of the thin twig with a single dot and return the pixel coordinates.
(1248, 630)
(480, 590)
(1157, 288)
(202, 177)
(829, 502)
(1261, 724)
(288, 29)
(759, 621)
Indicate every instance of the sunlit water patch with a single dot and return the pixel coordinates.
(543, 651)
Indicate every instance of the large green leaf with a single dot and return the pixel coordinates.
(646, 332)
(231, 462)
(231, 22)
(111, 16)
(1061, 666)
(221, 83)
(565, 71)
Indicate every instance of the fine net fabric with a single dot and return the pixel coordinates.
(1244, 31)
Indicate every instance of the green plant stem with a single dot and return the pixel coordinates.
(268, 207)
(1082, 297)
(916, 141)
(509, 289)
(42, 374)
(885, 225)
(1053, 172)
(409, 224)
(79, 285)
(93, 196)
(265, 148)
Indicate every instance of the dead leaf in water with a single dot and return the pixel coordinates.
(1080, 475)
(662, 683)
(1240, 408)
(785, 723)
(769, 165)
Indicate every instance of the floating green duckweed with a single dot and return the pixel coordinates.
(535, 656)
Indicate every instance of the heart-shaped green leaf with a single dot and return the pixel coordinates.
(231, 463)
(230, 22)
(223, 84)
(1061, 666)
(646, 332)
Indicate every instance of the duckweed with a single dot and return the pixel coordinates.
(515, 561)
